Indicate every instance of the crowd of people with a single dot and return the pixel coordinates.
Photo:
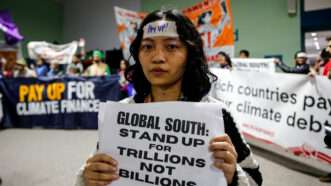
(40, 67)
(91, 65)
(302, 64)
(95, 65)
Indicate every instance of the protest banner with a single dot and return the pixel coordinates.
(286, 110)
(253, 64)
(159, 145)
(213, 20)
(61, 54)
(68, 102)
(127, 25)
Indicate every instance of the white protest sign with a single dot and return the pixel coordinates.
(61, 54)
(253, 64)
(162, 143)
(287, 110)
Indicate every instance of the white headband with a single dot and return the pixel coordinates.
(160, 28)
(301, 55)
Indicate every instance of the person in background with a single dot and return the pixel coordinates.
(244, 54)
(8, 68)
(81, 48)
(314, 68)
(324, 56)
(224, 60)
(124, 64)
(41, 68)
(324, 59)
(98, 67)
(2, 63)
(75, 68)
(21, 69)
(55, 70)
(301, 64)
(327, 64)
(171, 66)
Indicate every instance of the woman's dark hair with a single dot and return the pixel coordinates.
(126, 62)
(245, 52)
(227, 57)
(325, 55)
(196, 82)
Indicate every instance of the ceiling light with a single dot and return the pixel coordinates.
(317, 45)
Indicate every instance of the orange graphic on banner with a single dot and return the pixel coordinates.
(212, 18)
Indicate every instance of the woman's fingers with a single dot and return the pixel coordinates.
(101, 167)
(225, 161)
(98, 176)
(223, 146)
(223, 143)
(96, 183)
(102, 158)
(222, 165)
(221, 138)
(225, 156)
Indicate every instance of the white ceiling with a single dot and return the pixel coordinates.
(311, 5)
(311, 41)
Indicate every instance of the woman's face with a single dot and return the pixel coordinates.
(221, 59)
(328, 48)
(301, 61)
(96, 58)
(163, 60)
(122, 65)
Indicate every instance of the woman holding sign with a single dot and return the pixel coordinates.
(171, 66)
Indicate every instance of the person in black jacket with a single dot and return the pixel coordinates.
(171, 66)
(301, 64)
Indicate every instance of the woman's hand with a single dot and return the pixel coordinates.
(225, 155)
(100, 170)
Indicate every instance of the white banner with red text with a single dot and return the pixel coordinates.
(285, 110)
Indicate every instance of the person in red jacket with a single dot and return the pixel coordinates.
(327, 66)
